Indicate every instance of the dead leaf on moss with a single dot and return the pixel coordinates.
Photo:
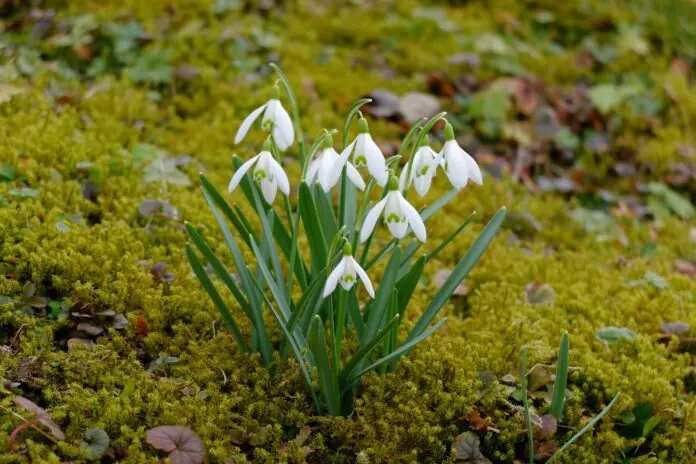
(41, 416)
(466, 449)
(183, 445)
(539, 293)
(674, 328)
(547, 429)
(685, 267)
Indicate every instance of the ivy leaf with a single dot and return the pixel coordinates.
(95, 443)
(613, 335)
(183, 446)
(466, 449)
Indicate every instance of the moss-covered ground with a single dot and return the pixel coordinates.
(582, 112)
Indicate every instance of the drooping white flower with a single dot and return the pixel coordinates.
(267, 173)
(275, 118)
(328, 165)
(367, 153)
(423, 169)
(458, 164)
(399, 214)
(346, 272)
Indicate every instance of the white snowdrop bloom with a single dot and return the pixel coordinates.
(399, 214)
(267, 173)
(275, 118)
(328, 165)
(423, 169)
(458, 164)
(367, 153)
(346, 272)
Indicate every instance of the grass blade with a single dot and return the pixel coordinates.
(427, 213)
(586, 428)
(451, 237)
(215, 296)
(525, 403)
(313, 229)
(378, 306)
(277, 293)
(559, 385)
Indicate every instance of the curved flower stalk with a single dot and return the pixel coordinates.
(267, 173)
(457, 163)
(399, 214)
(367, 153)
(346, 272)
(275, 118)
(328, 165)
(425, 162)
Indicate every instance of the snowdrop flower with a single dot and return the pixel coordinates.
(367, 153)
(423, 169)
(458, 164)
(275, 118)
(398, 214)
(267, 173)
(346, 272)
(328, 166)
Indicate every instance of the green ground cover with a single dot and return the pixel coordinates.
(581, 114)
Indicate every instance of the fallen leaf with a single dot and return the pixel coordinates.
(152, 208)
(141, 325)
(89, 329)
(539, 293)
(95, 443)
(674, 328)
(547, 429)
(685, 267)
(466, 448)
(183, 446)
(42, 416)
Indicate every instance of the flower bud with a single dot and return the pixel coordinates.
(393, 183)
(347, 249)
(328, 140)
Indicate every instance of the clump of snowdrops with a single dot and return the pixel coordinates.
(333, 209)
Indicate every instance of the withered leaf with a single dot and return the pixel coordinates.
(42, 416)
(183, 446)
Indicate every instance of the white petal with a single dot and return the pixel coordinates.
(237, 177)
(334, 277)
(363, 276)
(456, 168)
(414, 219)
(371, 219)
(474, 171)
(423, 183)
(246, 124)
(269, 188)
(283, 132)
(326, 165)
(354, 176)
(312, 171)
(339, 163)
(280, 177)
(375, 161)
(402, 179)
(394, 216)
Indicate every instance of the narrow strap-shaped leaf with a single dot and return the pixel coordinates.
(389, 344)
(381, 253)
(328, 381)
(238, 220)
(459, 273)
(309, 297)
(408, 283)
(525, 403)
(559, 385)
(364, 351)
(256, 317)
(451, 237)
(355, 315)
(298, 348)
(244, 274)
(277, 293)
(399, 351)
(586, 428)
(406, 256)
(217, 300)
(326, 214)
(267, 218)
(378, 306)
(315, 234)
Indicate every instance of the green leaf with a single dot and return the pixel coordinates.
(277, 293)
(525, 403)
(401, 350)
(315, 234)
(613, 335)
(326, 214)
(364, 352)
(408, 283)
(451, 237)
(459, 273)
(378, 306)
(427, 213)
(559, 386)
(215, 296)
(589, 425)
(7, 172)
(95, 444)
(328, 381)
(678, 204)
(254, 314)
